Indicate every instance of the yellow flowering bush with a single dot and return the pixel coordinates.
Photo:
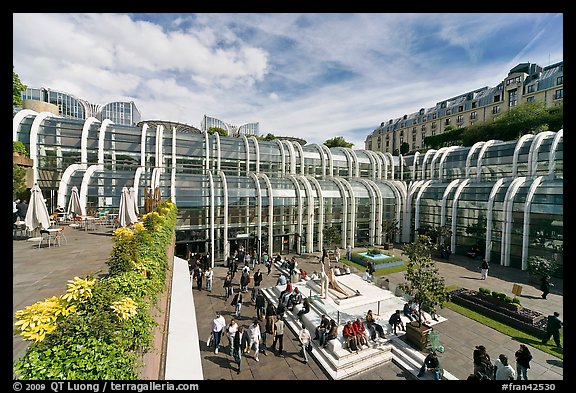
(79, 289)
(125, 308)
(36, 321)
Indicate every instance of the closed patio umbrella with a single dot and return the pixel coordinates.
(126, 214)
(37, 215)
(133, 196)
(74, 207)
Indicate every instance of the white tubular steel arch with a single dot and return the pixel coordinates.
(376, 164)
(65, 183)
(523, 139)
(440, 153)
(490, 209)
(507, 223)
(207, 149)
(400, 193)
(173, 167)
(84, 139)
(270, 214)
(83, 192)
(330, 159)
(348, 159)
(553, 151)
(158, 146)
(443, 207)
(406, 226)
(38, 120)
(254, 177)
(320, 197)
(477, 145)
(352, 225)
(374, 209)
(257, 148)
(534, 149)
(322, 158)
(414, 165)
(218, 151)
(301, 153)
(225, 196)
(283, 156)
(101, 139)
(417, 204)
(292, 157)
(143, 145)
(392, 169)
(483, 149)
(426, 156)
(356, 163)
(211, 229)
(402, 164)
(139, 171)
(18, 118)
(443, 160)
(309, 213)
(299, 199)
(344, 212)
(526, 223)
(455, 213)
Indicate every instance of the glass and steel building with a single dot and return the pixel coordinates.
(282, 196)
(232, 130)
(526, 82)
(70, 106)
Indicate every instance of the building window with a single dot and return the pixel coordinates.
(433, 132)
(447, 122)
(387, 144)
(460, 108)
(434, 125)
(474, 104)
(560, 80)
(413, 130)
(531, 88)
(558, 94)
(495, 109)
(497, 98)
(423, 127)
(530, 99)
(473, 115)
(512, 98)
(460, 119)
(448, 112)
(434, 116)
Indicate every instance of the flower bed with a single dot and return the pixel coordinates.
(517, 317)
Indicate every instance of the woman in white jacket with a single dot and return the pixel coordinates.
(254, 335)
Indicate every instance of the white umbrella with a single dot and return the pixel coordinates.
(133, 196)
(126, 214)
(74, 206)
(37, 214)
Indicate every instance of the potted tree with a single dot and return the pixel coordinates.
(425, 286)
(389, 228)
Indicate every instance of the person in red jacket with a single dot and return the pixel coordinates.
(361, 332)
(350, 335)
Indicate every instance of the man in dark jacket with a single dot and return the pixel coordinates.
(395, 321)
(553, 326)
(431, 363)
(260, 305)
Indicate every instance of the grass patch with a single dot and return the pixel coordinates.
(516, 334)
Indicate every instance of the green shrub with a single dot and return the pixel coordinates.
(484, 291)
(516, 300)
(19, 147)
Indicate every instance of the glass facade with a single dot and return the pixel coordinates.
(279, 196)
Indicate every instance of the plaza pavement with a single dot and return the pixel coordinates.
(41, 273)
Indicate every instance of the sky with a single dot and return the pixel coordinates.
(314, 76)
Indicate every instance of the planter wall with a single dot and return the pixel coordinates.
(418, 335)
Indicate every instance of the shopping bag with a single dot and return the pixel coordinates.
(209, 340)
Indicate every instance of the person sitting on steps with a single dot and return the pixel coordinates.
(351, 338)
(395, 321)
(373, 327)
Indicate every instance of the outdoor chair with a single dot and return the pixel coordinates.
(46, 237)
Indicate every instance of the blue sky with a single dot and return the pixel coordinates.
(309, 75)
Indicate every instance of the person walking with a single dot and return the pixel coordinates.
(482, 362)
(260, 304)
(348, 252)
(227, 286)
(545, 285)
(199, 276)
(523, 357)
(279, 336)
(255, 337)
(22, 208)
(237, 348)
(15, 210)
(231, 330)
(258, 277)
(218, 325)
(209, 274)
(304, 337)
(268, 330)
(237, 303)
(484, 270)
(553, 325)
(502, 370)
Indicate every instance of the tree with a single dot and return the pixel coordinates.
(338, 141)
(269, 137)
(219, 130)
(332, 235)
(389, 228)
(18, 88)
(423, 281)
(404, 147)
(541, 267)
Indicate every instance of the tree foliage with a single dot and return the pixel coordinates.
(423, 281)
(390, 228)
(338, 141)
(18, 88)
(219, 130)
(332, 235)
